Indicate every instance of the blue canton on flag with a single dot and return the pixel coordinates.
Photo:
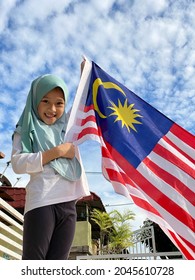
(122, 115)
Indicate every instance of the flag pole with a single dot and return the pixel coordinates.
(80, 95)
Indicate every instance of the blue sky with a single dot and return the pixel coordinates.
(147, 45)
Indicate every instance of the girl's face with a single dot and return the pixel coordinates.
(52, 106)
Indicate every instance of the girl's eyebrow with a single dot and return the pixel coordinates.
(59, 98)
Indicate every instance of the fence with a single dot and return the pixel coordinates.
(11, 228)
(132, 256)
(140, 249)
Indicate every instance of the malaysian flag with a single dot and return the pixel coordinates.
(145, 155)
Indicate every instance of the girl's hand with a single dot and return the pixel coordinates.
(67, 150)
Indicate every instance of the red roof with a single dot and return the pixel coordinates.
(15, 196)
(93, 200)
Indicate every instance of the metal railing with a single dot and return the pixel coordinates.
(11, 229)
(132, 256)
(139, 250)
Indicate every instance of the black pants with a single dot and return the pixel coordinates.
(49, 232)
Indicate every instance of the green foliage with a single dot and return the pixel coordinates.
(119, 218)
(116, 226)
(102, 219)
(120, 239)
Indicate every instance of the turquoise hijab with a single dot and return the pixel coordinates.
(37, 136)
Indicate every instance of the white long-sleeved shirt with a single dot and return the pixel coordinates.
(45, 186)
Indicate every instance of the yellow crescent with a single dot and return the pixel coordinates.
(107, 85)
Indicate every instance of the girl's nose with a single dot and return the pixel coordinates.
(52, 107)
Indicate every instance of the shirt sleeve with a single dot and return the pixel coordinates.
(24, 162)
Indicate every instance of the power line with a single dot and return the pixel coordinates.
(7, 165)
(122, 204)
(93, 172)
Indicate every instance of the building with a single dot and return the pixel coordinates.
(87, 233)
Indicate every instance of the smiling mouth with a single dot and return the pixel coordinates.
(50, 116)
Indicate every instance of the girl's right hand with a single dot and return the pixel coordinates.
(67, 150)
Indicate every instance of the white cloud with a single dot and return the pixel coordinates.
(5, 9)
(150, 7)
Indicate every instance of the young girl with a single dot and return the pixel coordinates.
(57, 180)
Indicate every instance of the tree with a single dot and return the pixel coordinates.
(119, 218)
(120, 237)
(116, 226)
(103, 220)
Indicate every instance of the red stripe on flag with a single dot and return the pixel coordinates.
(144, 205)
(124, 178)
(164, 153)
(90, 118)
(156, 195)
(184, 135)
(178, 149)
(171, 180)
(115, 176)
(86, 131)
(119, 177)
(181, 246)
(88, 108)
(190, 245)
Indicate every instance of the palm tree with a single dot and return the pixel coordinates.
(116, 225)
(121, 218)
(120, 238)
(102, 219)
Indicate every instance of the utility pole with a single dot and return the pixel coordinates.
(3, 179)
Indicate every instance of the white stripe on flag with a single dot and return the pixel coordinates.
(178, 226)
(184, 231)
(182, 145)
(165, 188)
(172, 169)
(171, 149)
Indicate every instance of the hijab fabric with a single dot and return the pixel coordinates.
(37, 136)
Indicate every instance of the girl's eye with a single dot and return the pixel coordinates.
(44, 100)
(60, 103)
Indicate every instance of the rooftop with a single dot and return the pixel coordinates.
(15, 196)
